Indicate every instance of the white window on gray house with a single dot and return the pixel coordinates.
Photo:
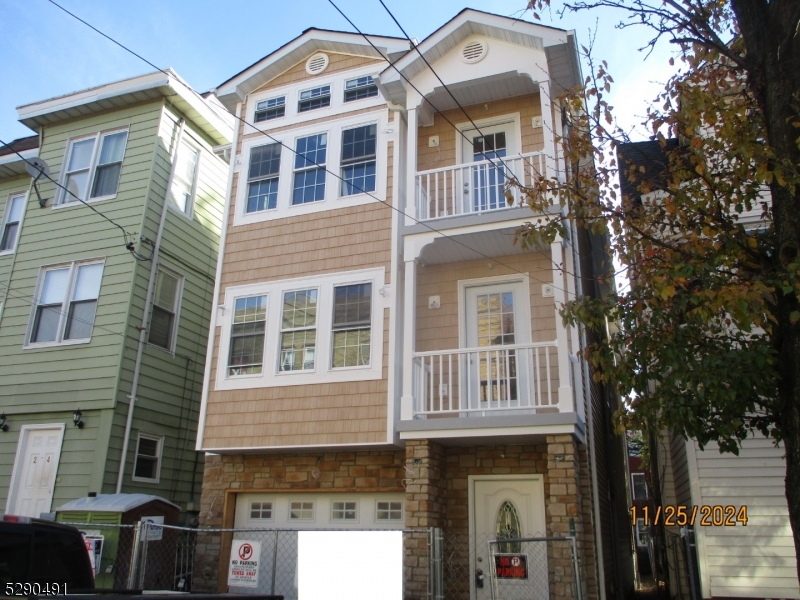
(247, 336)
(11, 222)
(164, 314)
(184, 180)
(66, 303)
(318, 97)
(638, 486)
(301, 511)
(389, 511)
(262, 178)
(352, 324)
(273, 108)
(93, 166)
(344, 511)
(299, 330)
(358, 160)
(360, 87)
(147, 466)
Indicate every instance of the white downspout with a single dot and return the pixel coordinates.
(146, 313)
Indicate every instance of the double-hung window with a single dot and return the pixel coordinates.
(299, 330)
(309, 169)
(262, 177)
(11, 223)
(358, 160)
(360, 87)
(247, 336)
(67, 302)
(274, 108)
(184, 178)
(352, 325)
(148, 458)
(638, 486)
(318, 97)
(93, 166)
(164, 316)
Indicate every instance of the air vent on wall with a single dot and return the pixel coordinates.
(473, 51)
(317, 64)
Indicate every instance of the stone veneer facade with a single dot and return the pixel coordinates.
(435, 480)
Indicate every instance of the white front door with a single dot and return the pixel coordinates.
(496, 317)
(489, 146)
(509, 507)
(34, 475)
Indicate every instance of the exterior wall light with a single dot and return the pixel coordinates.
(76, 418)
(3, 424)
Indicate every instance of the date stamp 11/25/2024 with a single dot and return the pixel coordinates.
(680, 515)
(35, 589)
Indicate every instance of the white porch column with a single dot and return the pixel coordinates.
(411, 168)
(548, 129)
(565, 399)
(409, 339)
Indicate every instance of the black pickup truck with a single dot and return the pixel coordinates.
(44, 558)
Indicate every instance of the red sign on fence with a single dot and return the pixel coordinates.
(511, 566)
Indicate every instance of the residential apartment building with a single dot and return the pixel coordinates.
(382, 355)
(106, 276)
(756, 560)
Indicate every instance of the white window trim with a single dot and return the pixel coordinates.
(160, 456)
(292, 92)
(178, 304)
(463, 128)
(308, 88)
(344, 501)
(61, 198)
(59, 341)
(269, 519)
(313, 518)
(323, 372)
(268, 121)
(633, 486)
(333, 185)
(7, 214)
(402, 511)
(189, 213)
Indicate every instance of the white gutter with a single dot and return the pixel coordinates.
(212, 324)
(146, 313)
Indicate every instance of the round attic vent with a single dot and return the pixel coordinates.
(473, 51)
(317, 64)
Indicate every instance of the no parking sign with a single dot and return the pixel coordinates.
(245, 556)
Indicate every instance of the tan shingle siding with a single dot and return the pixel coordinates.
(338, 62)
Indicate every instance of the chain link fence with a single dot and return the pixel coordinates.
(483, 568)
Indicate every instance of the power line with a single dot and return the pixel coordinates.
(323, 167)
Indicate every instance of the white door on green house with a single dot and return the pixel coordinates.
(35, 468)
(489, 146)
(508, 507)
(497, 316)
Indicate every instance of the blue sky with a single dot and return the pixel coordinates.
(47, 53)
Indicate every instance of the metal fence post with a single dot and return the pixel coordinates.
(435, 578)
(137, 533)
(274, 563)
(145, 544)
(576, 570)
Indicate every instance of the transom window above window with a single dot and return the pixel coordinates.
(67, 302)
(309, 167)
(298, 330)
(262, 177)
(164, 314)
(11, 223)
(247, 336)
(352, 319)
(147, 466)
(184, 179)
(93, 166)
(358, 159)
(261, 510)
(274, 108)
(318, 97)
(361, 87)
(389, 511)
(343, 511)
(301, 511)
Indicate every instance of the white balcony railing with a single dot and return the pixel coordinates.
(487, 380)
(476, 187)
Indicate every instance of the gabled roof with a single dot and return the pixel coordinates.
(215, 122)
(11, 165)
(311, 40)
(558, 44)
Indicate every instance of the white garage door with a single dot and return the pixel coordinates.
(320, 511)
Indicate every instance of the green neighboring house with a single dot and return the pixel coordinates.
(91, 315)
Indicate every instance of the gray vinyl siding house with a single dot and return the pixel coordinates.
(153, 142)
